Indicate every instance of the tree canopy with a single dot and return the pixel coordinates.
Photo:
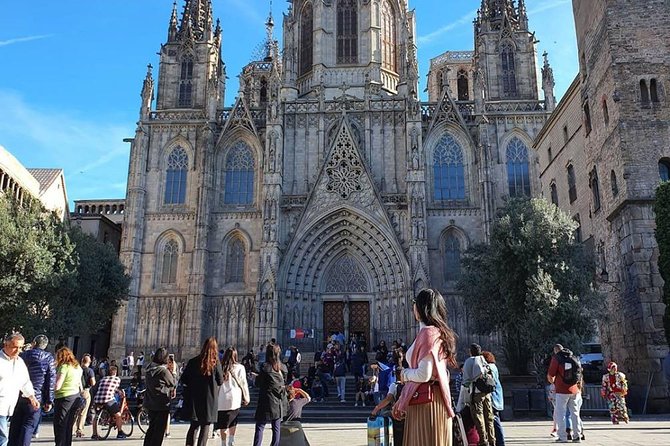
(53, 280)
(531, 283)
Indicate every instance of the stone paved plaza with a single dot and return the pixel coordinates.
(647, 431)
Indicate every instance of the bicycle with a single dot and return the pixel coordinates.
(105, 421)
(142, 414)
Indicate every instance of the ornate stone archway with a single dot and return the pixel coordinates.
(379, 273)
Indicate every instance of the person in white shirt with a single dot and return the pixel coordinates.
(14, 378)
(233, 393)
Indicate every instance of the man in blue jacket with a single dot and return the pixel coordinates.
(42, 370)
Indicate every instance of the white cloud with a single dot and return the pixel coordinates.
(428, 38)
(23, 39)
(92, 153)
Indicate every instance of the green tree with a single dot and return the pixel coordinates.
(35, 254)
(54, 281)
(98, 288)
(532, 283)
(662, 211)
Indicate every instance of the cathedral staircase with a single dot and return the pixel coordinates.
(331, 410)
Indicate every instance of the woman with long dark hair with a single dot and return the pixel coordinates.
(272, 398)
(425, 401)
(201, 379)
(160, 385)
(233, 393)
(68, 400)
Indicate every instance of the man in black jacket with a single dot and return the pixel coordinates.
(160, 385)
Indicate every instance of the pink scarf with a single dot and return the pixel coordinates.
(428, 343)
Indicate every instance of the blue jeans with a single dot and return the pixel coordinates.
(24, 423)
(497, 427)
(258, 433)
(4, 434)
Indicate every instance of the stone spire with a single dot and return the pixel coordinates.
(147, 94)
(197, 19)
(523, 15)
(173, 29)
(269, 41)
(548, 84)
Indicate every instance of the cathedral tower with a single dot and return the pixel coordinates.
(505, 51)
(334, 42)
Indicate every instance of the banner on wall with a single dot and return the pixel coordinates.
(302, 333)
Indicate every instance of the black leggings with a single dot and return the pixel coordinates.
(203, 436)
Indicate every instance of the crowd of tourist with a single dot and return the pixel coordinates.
(431, 398)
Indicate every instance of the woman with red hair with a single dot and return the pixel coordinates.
(614, 390)
(201, 379)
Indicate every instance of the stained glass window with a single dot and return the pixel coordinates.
(170, 258)
(448, 170)
(186, 84)
(518, 174)
(664, 170)
(388, 36)
(347, 31)
(306, 38)
(239, 175)
(235, 260)
(452, 261)
(175, 176)
(508, 70)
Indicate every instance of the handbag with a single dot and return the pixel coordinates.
(232, 375)
(423, 394)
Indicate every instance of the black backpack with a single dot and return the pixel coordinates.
(572, 368)
(486, 383)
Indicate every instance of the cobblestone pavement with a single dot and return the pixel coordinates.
(647, 431)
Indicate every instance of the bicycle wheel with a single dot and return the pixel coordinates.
(127, 422)
(105, 423)
(143, 420)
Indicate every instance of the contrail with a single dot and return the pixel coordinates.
(23, 39)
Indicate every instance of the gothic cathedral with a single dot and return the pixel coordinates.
(329, 194)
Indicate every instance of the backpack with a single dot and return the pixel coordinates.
(572, 369)
(486, 383)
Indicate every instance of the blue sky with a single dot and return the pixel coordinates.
(71, 71)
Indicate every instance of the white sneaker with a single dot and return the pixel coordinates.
(356, 405)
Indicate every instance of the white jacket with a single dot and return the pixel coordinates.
(230, 393)
(14, 378)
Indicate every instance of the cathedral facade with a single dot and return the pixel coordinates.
(329, 194)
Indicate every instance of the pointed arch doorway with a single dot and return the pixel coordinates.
(346, 300)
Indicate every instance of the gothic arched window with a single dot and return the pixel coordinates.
(170, 258)
(306, 38)
(186, 83)
(239, 175)
(614, 183)
(463, 87)
(452, 258)
(554, 194)
(664, 170)
(572, 184)
(448, 170)
(263, 94)
(518, 175)
(347, 31)
(175, 177)
(388, 36)
(508, 70)
(594, 183)
(236, 259)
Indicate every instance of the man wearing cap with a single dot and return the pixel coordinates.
(42, 371)
(14, 378)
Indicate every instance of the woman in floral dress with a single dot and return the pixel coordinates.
(614, 390)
